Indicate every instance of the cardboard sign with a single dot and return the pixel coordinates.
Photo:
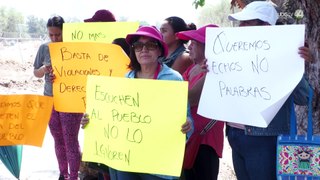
(97, 31)
(73, 62)
(252, 72)
(24, 119)
(134, 124)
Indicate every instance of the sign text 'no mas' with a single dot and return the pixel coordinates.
(97, 31)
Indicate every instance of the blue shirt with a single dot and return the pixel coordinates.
(43, 58)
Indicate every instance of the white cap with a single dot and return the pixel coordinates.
(261, 10)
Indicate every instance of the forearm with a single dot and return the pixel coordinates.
(39, 73)
(195, 92)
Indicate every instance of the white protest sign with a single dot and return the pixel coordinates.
(252, 71)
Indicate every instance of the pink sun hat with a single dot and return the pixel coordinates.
(198, 35)
(148, 31)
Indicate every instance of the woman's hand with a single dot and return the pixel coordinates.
(186, 127)
(204, 66)
(51, 75)
(304, 52)
(45, 69)
(84, 120)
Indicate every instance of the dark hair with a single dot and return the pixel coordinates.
(260, 22)
(178, 25)
(123, 44)
(55, 21)
(134, 64)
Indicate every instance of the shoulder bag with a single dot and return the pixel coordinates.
(193, 144)
(298, 156)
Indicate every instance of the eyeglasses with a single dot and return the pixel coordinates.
(151, 46)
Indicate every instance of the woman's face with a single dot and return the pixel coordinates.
(168, 34)
(196, 51)
(55, 34)
(147, 50)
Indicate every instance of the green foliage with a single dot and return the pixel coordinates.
(12, 25)
(10, 20)
(198, 3)
(216, 14)
(36, 26)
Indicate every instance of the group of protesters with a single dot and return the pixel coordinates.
(176, 51)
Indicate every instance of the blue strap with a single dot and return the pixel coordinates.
(310, 123)
(293, 119)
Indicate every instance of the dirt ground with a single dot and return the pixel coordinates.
(16, 77)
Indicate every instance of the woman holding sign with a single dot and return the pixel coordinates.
(206, 165)
(64, 127)
(146, 47)
(255, 146)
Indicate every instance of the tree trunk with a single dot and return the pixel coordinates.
(311, 10)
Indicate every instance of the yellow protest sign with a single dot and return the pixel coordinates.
(97, 31)
(24, 119)
(135, 124)
(72, 62)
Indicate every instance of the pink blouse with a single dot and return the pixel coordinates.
(215, 136)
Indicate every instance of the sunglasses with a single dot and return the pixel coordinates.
(151, 46)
